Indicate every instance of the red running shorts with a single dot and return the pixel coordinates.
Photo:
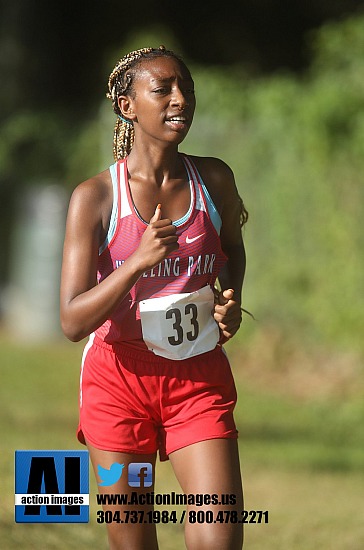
(133, 401)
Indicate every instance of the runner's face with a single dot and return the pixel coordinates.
(164, 101)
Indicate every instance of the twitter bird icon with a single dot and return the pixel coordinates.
(111, 476)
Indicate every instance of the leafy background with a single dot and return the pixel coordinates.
(293, 134)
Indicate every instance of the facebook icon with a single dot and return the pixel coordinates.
(140, 474)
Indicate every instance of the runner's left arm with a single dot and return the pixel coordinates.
(228, 307)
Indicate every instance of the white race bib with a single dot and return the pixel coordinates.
(179, 326)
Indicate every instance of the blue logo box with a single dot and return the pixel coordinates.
(51, 486)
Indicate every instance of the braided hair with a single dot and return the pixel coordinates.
(121, 83)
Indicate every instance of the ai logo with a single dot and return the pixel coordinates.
(51, 486)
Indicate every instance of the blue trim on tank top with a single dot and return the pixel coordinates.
(177, 223)
(211, 208)
(184, 218)
(114, 210)
(212, 211)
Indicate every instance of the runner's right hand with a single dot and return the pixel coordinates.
(158, 241)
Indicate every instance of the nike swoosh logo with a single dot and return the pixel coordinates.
(189, 241)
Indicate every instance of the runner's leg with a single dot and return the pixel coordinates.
(126, 536)
(211, 467)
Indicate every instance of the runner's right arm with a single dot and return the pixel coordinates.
(86, 305)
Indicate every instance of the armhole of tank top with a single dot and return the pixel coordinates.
(207, 199)
(186, 217)
(114, 211)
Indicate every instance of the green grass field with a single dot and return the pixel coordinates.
(302, 455)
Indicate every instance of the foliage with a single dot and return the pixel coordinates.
(296, 146)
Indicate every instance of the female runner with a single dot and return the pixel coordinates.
(145, 242)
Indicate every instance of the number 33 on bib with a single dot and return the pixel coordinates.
(179, 326)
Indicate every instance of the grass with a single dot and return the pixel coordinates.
(301, 457)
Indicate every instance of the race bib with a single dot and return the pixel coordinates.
(179, 326)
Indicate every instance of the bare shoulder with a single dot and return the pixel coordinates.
(218, 178)
(214, 169)
(92, 199)
(94, 190)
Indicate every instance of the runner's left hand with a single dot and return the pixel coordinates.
(227, 314)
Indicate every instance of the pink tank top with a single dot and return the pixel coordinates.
(194, 265)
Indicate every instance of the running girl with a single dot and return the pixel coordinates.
(145, 242)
